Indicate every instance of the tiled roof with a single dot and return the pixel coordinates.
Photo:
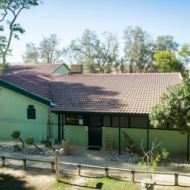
(31, 69)
(99, 93)
(108, 93)
(37, 84)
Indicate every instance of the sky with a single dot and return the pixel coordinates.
(68, 19)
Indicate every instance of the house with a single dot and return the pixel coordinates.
(54, 68)
(85, 107)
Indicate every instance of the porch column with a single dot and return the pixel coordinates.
(119, 137)
(187, 147)
(148, 122)
(58, 139)
(62, 128)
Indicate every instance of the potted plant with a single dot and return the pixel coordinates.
(128, 142)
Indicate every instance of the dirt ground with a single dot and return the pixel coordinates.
(13, 178)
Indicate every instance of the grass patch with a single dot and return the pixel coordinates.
(107, 183)
(63, 183)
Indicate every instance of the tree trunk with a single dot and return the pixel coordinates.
(22, 142)
(3, 64)
(38, 148)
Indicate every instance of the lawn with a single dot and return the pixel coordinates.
(105, 183)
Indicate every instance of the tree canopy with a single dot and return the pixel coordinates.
(166, 62)
(174, 107)
(14, 7)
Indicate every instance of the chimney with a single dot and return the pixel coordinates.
(76, 69)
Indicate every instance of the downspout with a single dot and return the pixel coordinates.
(58, 139)
(148, 133)
(188, 148)
(119, 137)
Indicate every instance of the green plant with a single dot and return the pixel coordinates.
(151, 158)
(16, 147)
(48, 144)
(30, 141)
(127, 141)
(16, 135)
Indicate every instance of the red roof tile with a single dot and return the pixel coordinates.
(99, 93)
(31, 69)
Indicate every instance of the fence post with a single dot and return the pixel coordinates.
(176, 178)
(24, 164)
(52, 166)
(3, 161)
(107, 172)
(78, 169)
(57, 165)
(133, 175)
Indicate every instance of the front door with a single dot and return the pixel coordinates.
(95, 131)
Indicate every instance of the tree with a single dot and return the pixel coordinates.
(49, 49)
(30, 141)
(31, 55)
(166, 42)
(89, 67)
(184, 53)
(166, 61)
(174, 106)
(86, 46)
(16, 135)
(108, 51)
(15, 7)
(139, 49)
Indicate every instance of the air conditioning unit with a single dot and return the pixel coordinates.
(76, 69)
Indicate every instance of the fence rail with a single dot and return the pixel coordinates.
(97, 167)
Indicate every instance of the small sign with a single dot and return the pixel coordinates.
(80, 121)
(61, 151)
(64, 129)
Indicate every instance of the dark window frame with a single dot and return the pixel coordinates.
(75, 120)
(29, 110)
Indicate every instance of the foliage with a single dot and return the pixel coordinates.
(166, 62)
(49, 49)
(184, 53)
(48, 144)
(174, 107)
(16, 147)
(15, 7)
(30, 141)
(127, 141)
(151, 158)
(139, 50)
(31, 55)
(166, 42)
(89, 67)
(16, 135)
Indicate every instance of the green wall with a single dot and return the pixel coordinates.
(13, 116)
(76, 135)
(61, 70)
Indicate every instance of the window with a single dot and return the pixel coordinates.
(70, 120)
(31, 112)
(106, 121)
(139, 122)
(164, 126)
(74, 120)
(115, 121)
(124, 121)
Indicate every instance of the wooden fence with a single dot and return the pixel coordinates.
(107, 169)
